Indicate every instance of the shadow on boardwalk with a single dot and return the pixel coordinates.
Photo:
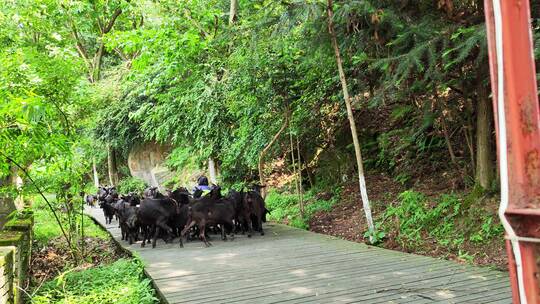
(289, 265)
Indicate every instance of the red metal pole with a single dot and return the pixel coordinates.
(522, 125)
(512, 272)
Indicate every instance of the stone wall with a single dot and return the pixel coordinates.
(147, 163)
(15, 253)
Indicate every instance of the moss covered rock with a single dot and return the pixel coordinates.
(7, 260)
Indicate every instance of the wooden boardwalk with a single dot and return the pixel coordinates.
(290, 265)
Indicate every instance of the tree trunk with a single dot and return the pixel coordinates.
(300, 188)
(447, 140)
(354, 134)
(265, 150)
(294, 173)
(469, 141)
(96, 72)
(96, 177)
(111, 161)
(233, 13)
(484, 164)
(310, 176)
(445, 129)
(212, 171)
(468, 128)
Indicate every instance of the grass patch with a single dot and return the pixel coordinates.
(120, 282)
(98, 276)
(46, 228)
(446, 220)
(284, 207)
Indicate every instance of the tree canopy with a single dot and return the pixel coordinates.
(77, 76)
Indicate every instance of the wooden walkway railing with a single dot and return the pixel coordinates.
(289, 265)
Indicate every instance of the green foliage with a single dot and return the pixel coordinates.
(319, 205)
(446, 221)
(284, 207)
(411, 214)
(177, 73)
(45, 228)
(375, 236)
(181, 158)
(488, 231)
(121, 282)
(465, 256)
(131, 184)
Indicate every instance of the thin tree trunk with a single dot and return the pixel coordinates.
(111, 162)
(361, 178)
(484, 164)
(300, 188)
(212, 171)
(310, 177)
(265, 150)
(96, 72)
(469, 140)
(447, 139)
(294, 173)
(445, 130)
(94, 170)
(233, 13)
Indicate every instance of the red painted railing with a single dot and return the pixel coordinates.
(515, 100)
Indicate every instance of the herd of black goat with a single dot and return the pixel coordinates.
(181, 214)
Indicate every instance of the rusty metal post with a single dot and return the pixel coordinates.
(517, 113)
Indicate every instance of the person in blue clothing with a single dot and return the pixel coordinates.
(202, 181)
(202, 185)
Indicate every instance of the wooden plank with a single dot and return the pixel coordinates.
(266, 275)
(263, 285)
(439, 293)
(360, 284)
(501, 301)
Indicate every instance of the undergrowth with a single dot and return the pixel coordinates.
(284, 207)
(99, 277)
(131, 184)
(120, 282)
(447, 220)
(46, 227)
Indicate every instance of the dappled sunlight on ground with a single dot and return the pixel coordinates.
(300, 290)
(445, 294)
(221, 256)
(299, 272)
(477, 276)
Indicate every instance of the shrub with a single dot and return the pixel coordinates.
(284, 207)
(131, 184)
(447, 221)
(410, 214)
(120, 282)
(317, 205)
(415, 215)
